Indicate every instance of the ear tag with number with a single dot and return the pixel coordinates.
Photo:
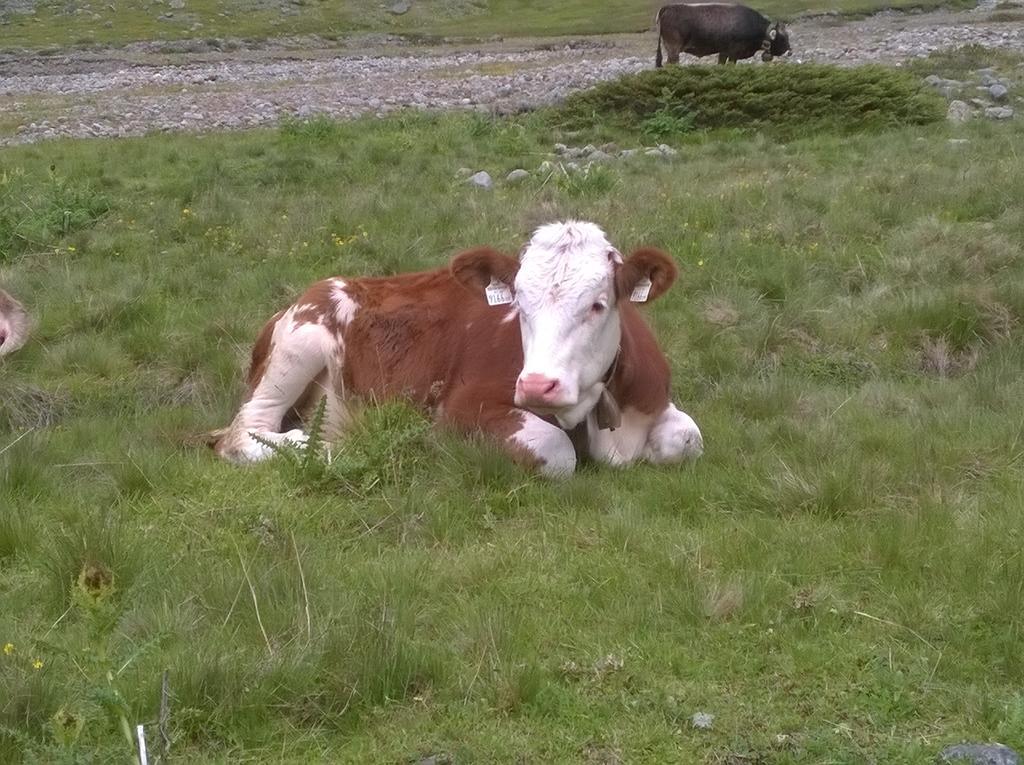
(498, 293)
(641, 291)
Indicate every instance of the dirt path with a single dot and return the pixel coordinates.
(153, 86)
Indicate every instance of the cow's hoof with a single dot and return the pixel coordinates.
(676, 437)
(262, 445)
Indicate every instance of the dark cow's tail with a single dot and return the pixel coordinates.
(657, 21)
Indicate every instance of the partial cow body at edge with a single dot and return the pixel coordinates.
(731, 30)
(524, 373)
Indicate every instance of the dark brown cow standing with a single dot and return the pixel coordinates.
(562, 342)
(731, 30)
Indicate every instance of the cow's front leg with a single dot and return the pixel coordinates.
(623, 445)
(530, 441)
(673, 437)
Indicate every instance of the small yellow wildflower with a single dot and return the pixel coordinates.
(8, 648)
(71, 248)
(186, 212)
(37, 664)
(700, 262)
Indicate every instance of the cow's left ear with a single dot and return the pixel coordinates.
(477, 269)
(645, 275)
(773, 32)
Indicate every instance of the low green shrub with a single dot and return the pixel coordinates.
(33, 215)
(791, 97)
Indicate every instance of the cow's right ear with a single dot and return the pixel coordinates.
(645, 275)
(477, 270)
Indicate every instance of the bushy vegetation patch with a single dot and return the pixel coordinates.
(790, 98)
(33, 215)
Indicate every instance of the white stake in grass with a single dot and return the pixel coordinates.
(142, 746)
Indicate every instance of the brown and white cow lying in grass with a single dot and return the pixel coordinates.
(545, 354)
(14, 324)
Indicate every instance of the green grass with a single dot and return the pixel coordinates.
(837, 580)
(97, 21)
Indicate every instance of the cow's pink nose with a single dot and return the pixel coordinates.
(538, 389)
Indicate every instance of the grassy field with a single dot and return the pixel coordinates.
(57, 23)
(838, 580)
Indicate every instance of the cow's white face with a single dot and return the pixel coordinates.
(566, 300)
(567, 290)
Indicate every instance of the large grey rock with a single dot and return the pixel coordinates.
(998, 91)
(999, 112)
(978, 754)
(400, 7)
(599, 156)
(482, 180)
(517, 175)
(667, 150)
(627, 153)
(176, 4)
(959, 112)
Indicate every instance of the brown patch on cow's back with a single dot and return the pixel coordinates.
(261, 352)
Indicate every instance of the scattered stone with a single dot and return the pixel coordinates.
(978, 754)
(609, 148)
(517, 175)
(958, 142)
(627, 153)
(599, 156)
(547, 166)
(667, 150)
(463, 172)
(482, 180)
(959, 112)
(654, 153)
(561, 149)
(998, 92)
(400, 8)
(176, 4)
(999, 112)
(988, 79)
(702, 720)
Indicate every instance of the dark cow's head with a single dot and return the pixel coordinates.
(566, 291)
(778, 40)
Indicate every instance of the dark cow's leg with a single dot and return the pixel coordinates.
(722, 58)
(673, 45)
(530, 441)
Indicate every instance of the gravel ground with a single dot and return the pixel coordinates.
(156, 87)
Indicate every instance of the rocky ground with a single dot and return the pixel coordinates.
(196, 87)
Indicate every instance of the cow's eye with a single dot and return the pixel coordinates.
(597, 308)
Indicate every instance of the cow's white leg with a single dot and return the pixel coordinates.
(259, 445)
(298, 355)
(623, 445)
(548, 444)
(673, 437)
